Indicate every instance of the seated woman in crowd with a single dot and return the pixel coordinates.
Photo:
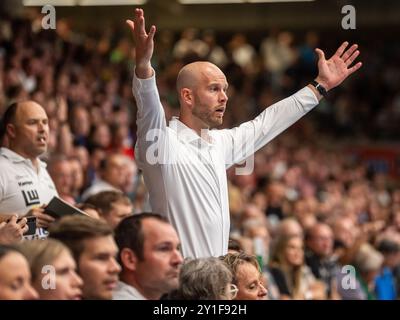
(246, 276)
(15, 276)
(205, 279)
(60, 283)
(292, 276)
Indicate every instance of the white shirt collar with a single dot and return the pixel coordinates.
(186, 134)
(15, 157)
(125, 291)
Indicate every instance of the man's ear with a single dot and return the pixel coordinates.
(187, 96)
(128, 259)
(10, 130)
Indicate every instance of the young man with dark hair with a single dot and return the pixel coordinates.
(93, 247)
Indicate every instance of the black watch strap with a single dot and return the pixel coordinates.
(321, 89)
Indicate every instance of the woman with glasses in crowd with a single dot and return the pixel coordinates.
(246, 276)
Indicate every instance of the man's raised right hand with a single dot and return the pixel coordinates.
(144, 44)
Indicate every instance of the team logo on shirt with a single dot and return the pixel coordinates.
(31, 197)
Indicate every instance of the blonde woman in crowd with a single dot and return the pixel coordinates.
(15, 276)
(246, 276)
(53, 270)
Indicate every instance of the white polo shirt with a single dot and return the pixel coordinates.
(21, 187)
(185, 174)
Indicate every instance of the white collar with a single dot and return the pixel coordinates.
(15, 157)
(187, 134)
(126, 289)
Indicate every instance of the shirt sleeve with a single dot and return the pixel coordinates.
(150, 121)
(241, 142)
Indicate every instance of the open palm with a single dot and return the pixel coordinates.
(334, 71)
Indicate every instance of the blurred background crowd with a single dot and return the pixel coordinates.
(323, 196)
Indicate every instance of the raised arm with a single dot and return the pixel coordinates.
(241, 142)
(150, 120)
(144, 44)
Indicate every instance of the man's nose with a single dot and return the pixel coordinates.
(30, 293)
(223, 96)
(42, 126)
(177, 258)
(114, 266)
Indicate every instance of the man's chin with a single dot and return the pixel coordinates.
(172, 285)
(40, 151)
(216, 123)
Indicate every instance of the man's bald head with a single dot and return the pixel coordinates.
(26, 126)
(202, 88)
(14, 111)
(319, 228)
(190, 75)
(25, 107)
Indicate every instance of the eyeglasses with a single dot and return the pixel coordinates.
(233, 291)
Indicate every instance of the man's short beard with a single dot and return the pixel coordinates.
(206, 118)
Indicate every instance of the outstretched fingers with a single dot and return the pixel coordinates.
(137, 25)
(350, 60)
(152, 32)
(341, 49)
(354, 68)
(139, 18)
(349, 52)
(131, 24)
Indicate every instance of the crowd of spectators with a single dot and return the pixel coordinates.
(320, 223)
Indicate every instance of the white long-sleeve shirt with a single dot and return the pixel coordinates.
(186, 174)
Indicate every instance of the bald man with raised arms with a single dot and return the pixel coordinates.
(184, 164)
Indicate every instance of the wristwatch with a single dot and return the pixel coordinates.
(320, 88)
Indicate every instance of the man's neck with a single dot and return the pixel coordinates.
(200, 129)
(34, 160)
(193, 123)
